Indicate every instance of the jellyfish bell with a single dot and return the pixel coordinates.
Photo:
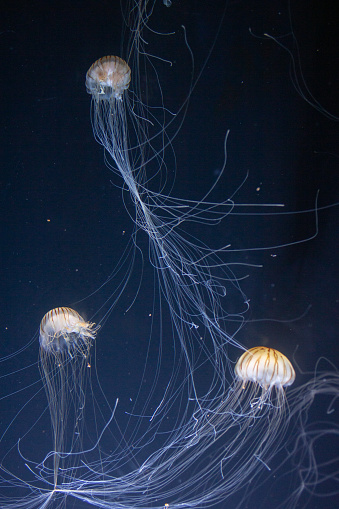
(264, 372)
(108, 77)
(63, 329)
(265, 366)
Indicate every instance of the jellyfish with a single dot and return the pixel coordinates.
(65, 343)
(266, 368)
(108, 77)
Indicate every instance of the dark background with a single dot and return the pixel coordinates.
(63, 223)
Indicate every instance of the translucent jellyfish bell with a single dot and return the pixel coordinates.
(63, 329)
(265, 366)
(108, 76)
